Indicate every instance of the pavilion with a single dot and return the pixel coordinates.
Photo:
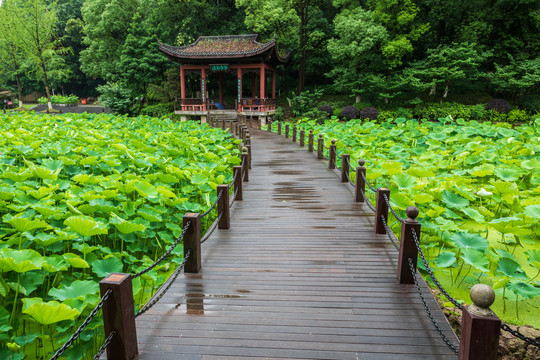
(223, 57)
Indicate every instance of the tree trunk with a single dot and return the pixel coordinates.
(46, 83)
(19, 90)
(302, 69)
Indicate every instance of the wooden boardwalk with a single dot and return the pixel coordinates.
(299, 275)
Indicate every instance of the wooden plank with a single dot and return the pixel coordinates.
(299, 275)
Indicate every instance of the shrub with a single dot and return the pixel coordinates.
(280, 113)
(300, 104)
(115, 97)
(327, 109)
(350, 112)
(518, 116)
(60, 99)
(370, 113)
(500, 105)
(157, 110)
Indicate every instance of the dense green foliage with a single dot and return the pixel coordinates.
(59, 99)
(85, 195)
(477, 186)
(386, 52)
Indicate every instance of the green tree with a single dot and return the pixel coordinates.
(35, 24)
(517, 79)
(11, 53)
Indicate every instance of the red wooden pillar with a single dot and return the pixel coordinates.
(274, 85)
(239, 99)
(221, 88)
(262, 95)
(182, 82)
(203, 88)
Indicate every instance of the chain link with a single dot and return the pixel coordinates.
(234, 179)
(367, 182)
(167, 253)
(212, 228)
(233, 198)
(517, 334)
(213, 205)
(154, 299)
(104, 346)
(83, 326)
(367, 201)
(391, 208)
(390, 233)
(445, 339)
(430, 272)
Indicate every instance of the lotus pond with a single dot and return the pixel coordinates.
(477, 186)
(85, 195)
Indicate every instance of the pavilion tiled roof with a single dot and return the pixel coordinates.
(231, 46)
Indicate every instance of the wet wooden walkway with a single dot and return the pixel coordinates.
(299, 275)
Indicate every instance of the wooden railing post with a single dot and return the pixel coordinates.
(286, 130)
(245, 161)
(244, 132)
(332, 156)
(320, 147)
(381, 209)
(237, 173)
(192, 242)
(279, 127)
(119, 316)
(247, 141)
(345, 167)
(269, 127)
(407, 246)
(249, 155)
(310, 141)
(294, 133)
(360, 183)
(223, 124)
(223, 207)
(480, 327)
(302, 137)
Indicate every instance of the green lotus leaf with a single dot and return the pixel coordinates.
(53, 164)
(532, 211)
(44, 173)
(85, 225)
(445, 259)
(150, 215)
(510, 267)
(124, 226)
(85, 179)
(453, 200)
(18, 288)
(524, 289)
(464, 240)
(423, 198)
(107, 266)
(199, 179)
(77, 289)
(401, 201)
(506, 225)
(102, 205)
(167, 178)
(476, 259)
(55, 263)
(165, 192)
(20, 261)
(533, 257)
(144, 188)
(420, 172)
(26, 339)
(507, 174)
(7, 193)
(76, 261)
(51, 312)
(17, 177)
(44, 239)
(404, 181)
(23, 224)
(474, 214)
(483, 170)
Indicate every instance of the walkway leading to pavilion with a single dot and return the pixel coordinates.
(299, 275)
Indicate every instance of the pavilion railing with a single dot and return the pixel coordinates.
(255, 104)
(189, 104)
(480, 327)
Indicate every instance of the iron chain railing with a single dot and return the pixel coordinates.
(167, 253)
(83, 326)
(390, 233)
(523, 337)
(367, 182)
(391, 208)
(162, 290)
(430, 272)
(104, 346)
(428, 311)
(231, 184)
(212, 228)
(367, 201)
(233, 199)
(213, 205)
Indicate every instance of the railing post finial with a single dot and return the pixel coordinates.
(480, 327)
(360, 183)
(332, 155)
(410, 234)
(320, 146)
